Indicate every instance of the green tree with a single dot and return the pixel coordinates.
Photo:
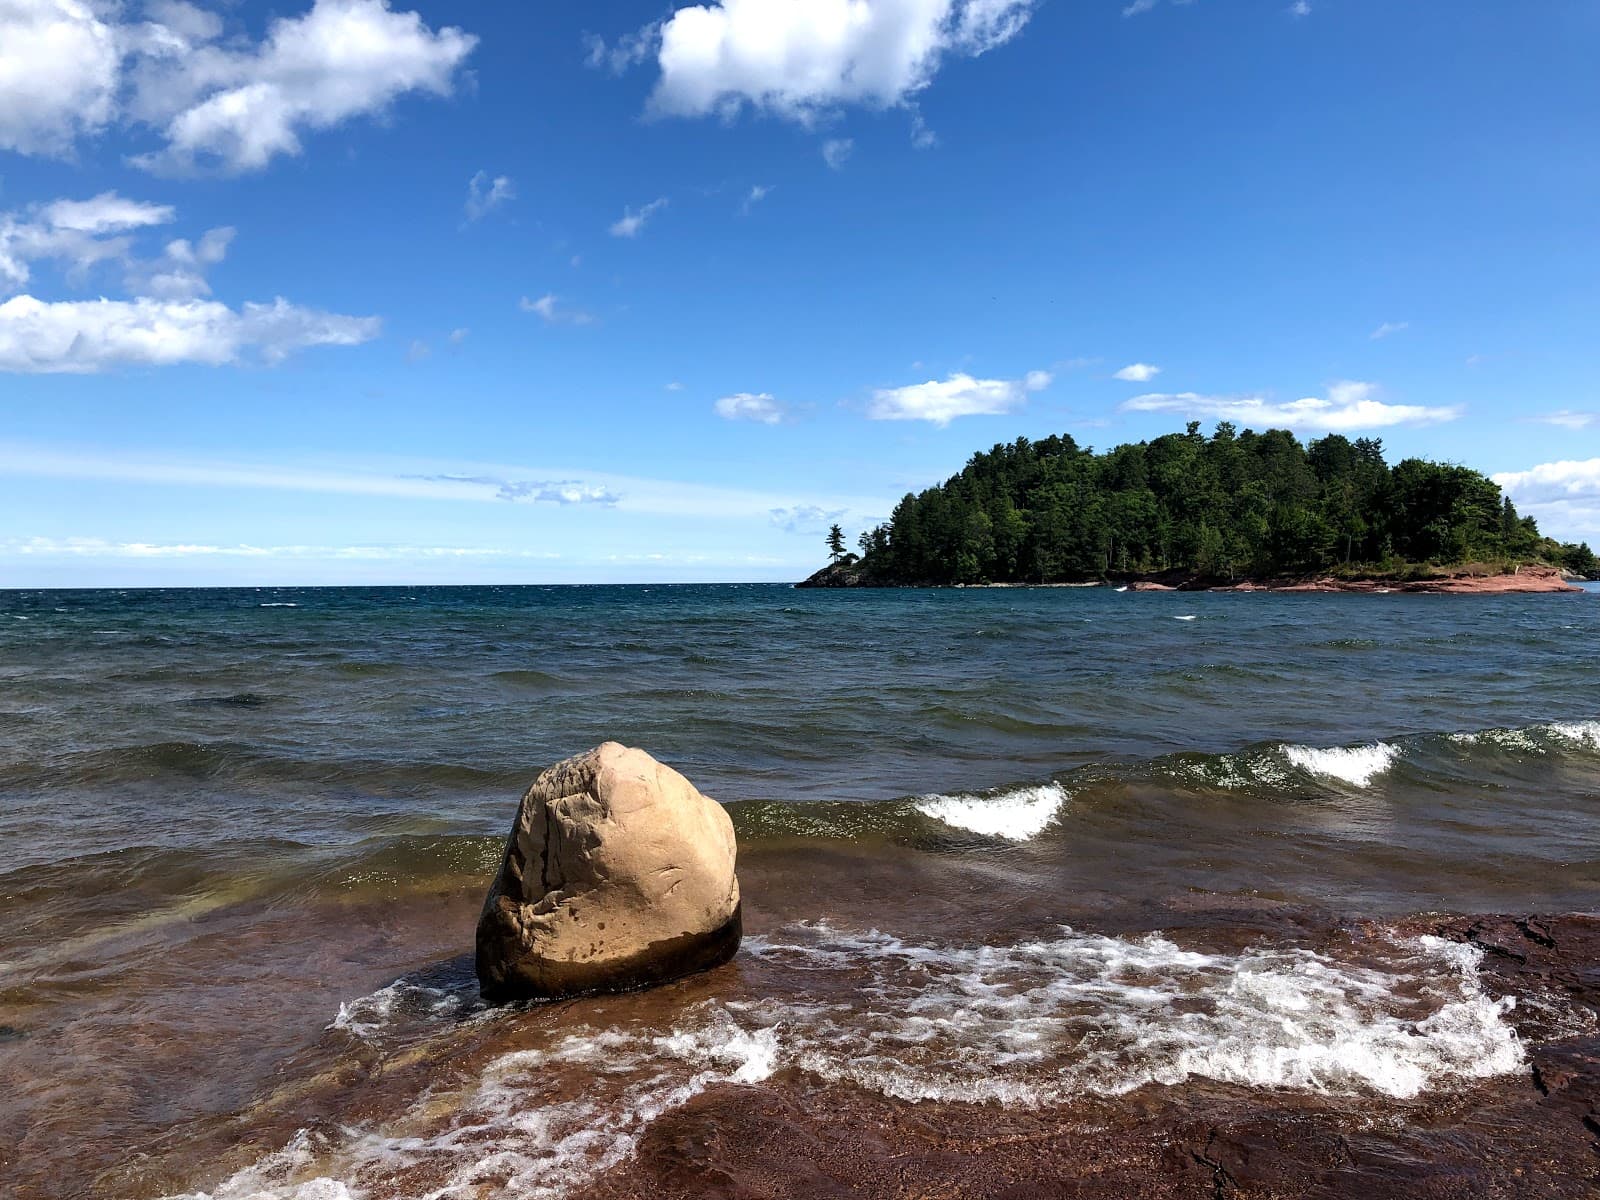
(835, 543)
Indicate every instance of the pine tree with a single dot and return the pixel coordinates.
(835, 543)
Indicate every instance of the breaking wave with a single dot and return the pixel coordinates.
(1017, 816)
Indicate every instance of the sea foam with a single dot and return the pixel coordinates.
(1017, 816)
(1026, 1025)
(1355, 765)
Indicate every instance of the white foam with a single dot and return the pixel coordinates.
(1041, 1022)
(1585, 733)
(1188, 617)
(1017, 816)
(368, 1016)
(279, 604)
(1023, 1025)
(1355, 765)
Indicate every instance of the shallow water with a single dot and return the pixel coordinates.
(985, 840)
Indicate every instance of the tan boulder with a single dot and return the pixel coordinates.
(618, 874)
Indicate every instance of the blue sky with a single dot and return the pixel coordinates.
(359, 292)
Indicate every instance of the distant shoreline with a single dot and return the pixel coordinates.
(1527, 580)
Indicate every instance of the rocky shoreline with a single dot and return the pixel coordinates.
(1533, 1134)
(1523, 580)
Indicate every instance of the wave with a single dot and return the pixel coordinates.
(1017, 816)
(1026, 1025)
(1355, 765)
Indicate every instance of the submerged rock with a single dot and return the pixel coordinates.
(618, 874)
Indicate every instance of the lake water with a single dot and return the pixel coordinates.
(244, 834)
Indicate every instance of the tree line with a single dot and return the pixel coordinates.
(1232, 505)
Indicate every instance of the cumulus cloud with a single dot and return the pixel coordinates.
(549, 308)
(1348, 406)
(1300, 8)
(632, 221)
(1564, 496)
(626, 51)
(836, 152)
(542, 491)
(805, 518)
(801, 59)
(1389, 329)
(760, 407)
(76, 233)
(166, 322)
(60, 63)
(484, 195)
(1137, 373)
(84, 337)
(959, 395)
(72, 68)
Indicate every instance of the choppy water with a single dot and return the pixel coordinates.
(243, 834)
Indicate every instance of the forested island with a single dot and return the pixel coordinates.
(1187, 510)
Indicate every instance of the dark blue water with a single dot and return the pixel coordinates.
(183, 718)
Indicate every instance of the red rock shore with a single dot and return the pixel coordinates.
(1465, 583)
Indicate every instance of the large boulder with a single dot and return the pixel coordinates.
(618, 874)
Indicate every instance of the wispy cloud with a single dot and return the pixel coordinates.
(959, 395)
(760, 407)
(547, 491)
(1349, 405)
(549, 308)
(836, 152)
(445, 482)
(484, 195)
(755, 196)
(633, 221)
(806, 518)
(1300, 8)
(1137, 373)
(85, 547)
(1389, 329)
(1567, 418)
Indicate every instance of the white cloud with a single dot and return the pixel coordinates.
(105, 213)
(632, 222)
(1563, 496)
(59, 69)
(1300, 8)
(484, 195)
(72, 68)
(418, 350)
(82, 547)
(1568, 419)
(454, 482)
(626, 51)
(836, 152)
(806, 518)
(1388, 329)
(674, 386)
(459, 335)
(237, 106)
(1137, 373)
(960, 395)
(546, 491)
(1139, 6)
(757, 194)
(1566, 480)
(549, 308)
(97, 335)
(803, 58)
(1348, 406)
(760, 407)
